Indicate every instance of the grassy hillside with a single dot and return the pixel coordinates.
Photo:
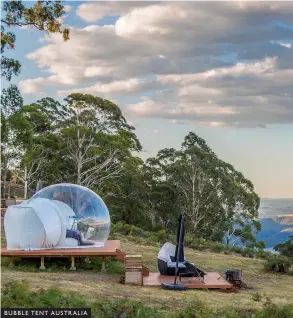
(94, 285)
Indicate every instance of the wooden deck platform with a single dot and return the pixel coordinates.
(211, 281)
(111, 248)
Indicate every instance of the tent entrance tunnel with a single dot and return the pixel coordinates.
(172, 262)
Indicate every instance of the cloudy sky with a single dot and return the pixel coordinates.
(221, 69)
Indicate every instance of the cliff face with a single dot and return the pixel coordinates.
(289, 229)
(284, 219)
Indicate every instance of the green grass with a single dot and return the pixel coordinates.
(62, 264)
(19, 294)
(93, 285)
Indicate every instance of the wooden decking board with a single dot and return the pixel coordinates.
(212, 280)
(111, 248)
(145, 271)
(120, 255)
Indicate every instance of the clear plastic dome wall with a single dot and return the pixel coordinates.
(58, 216)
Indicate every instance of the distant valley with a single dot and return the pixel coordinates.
(276, 218)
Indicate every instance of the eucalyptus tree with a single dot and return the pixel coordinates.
(46, 116)
(162, 195)
(85, 140)
(213, 194)
(126, 197)
(16, 132)
(41, 15)
(96, 140)
(30, 167)
(29, 138)
(285, 248)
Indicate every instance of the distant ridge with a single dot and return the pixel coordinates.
(286, 219)
(290, 229)
(270, 208)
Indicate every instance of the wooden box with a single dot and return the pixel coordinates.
(133, 277)
(133, 270)
(133, 261)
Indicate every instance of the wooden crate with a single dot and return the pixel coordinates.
(132, 261)
(133, 277)
(133, 258)
(133, 269)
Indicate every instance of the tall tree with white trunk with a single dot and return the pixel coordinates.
(96, 138)
(208, 189)
(16, 131)
(31, 166)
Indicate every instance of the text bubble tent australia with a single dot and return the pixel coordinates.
(58, 216)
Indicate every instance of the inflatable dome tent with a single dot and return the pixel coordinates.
(58, 216)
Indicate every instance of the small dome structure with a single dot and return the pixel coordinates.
(58, 216)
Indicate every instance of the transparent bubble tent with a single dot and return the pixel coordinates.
(58, 216)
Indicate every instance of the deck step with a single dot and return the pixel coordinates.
(120, 255)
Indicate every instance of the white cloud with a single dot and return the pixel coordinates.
(30, 86)
(150, 108)
(287, 45)
(225, 96)
(268, 65)
(94, 71)
(131, 85)
(223, 63)
(143, 21)
(95, 11)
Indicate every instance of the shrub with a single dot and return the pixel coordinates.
(199, 244)
(151, 239)
(286, 248)
(263, 254)
(136, 231)
(260, 245)
(216, 247)
(161, 236)
(248, 252)
(121, 227)
(278, 263)
(235, 249)
(189, 240)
